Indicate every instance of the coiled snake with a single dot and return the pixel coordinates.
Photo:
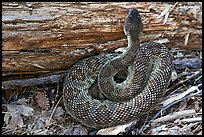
(108, 90)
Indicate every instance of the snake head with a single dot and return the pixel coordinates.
(133, 25)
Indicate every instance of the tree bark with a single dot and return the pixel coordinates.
(43, 37)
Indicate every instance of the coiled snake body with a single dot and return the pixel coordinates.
(108, 90)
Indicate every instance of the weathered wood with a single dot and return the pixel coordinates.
(41, 37)
(51, 79)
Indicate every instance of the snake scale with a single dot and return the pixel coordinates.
(113, 89)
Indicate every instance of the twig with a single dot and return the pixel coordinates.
(183, 81)
(54, 110)
(192, 120)
(167, 14)
(183, 94)
(175, 115)
(168, 106)
(32, 81)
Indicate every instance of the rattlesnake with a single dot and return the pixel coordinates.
(110, 89)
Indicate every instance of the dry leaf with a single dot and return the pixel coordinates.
(58, 112)
(75, 130)
(115, 130)
(41, 132)
(13, 117)
(13, 120)
(183, 105)
(42, 100)
(164, 12)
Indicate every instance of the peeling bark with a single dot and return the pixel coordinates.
(42, 37)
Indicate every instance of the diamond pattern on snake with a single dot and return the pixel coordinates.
(113, 89)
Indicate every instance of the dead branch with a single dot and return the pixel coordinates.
(51, 79)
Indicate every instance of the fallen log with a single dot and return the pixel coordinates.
(44, 37)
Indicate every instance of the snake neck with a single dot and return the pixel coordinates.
(130, 53)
